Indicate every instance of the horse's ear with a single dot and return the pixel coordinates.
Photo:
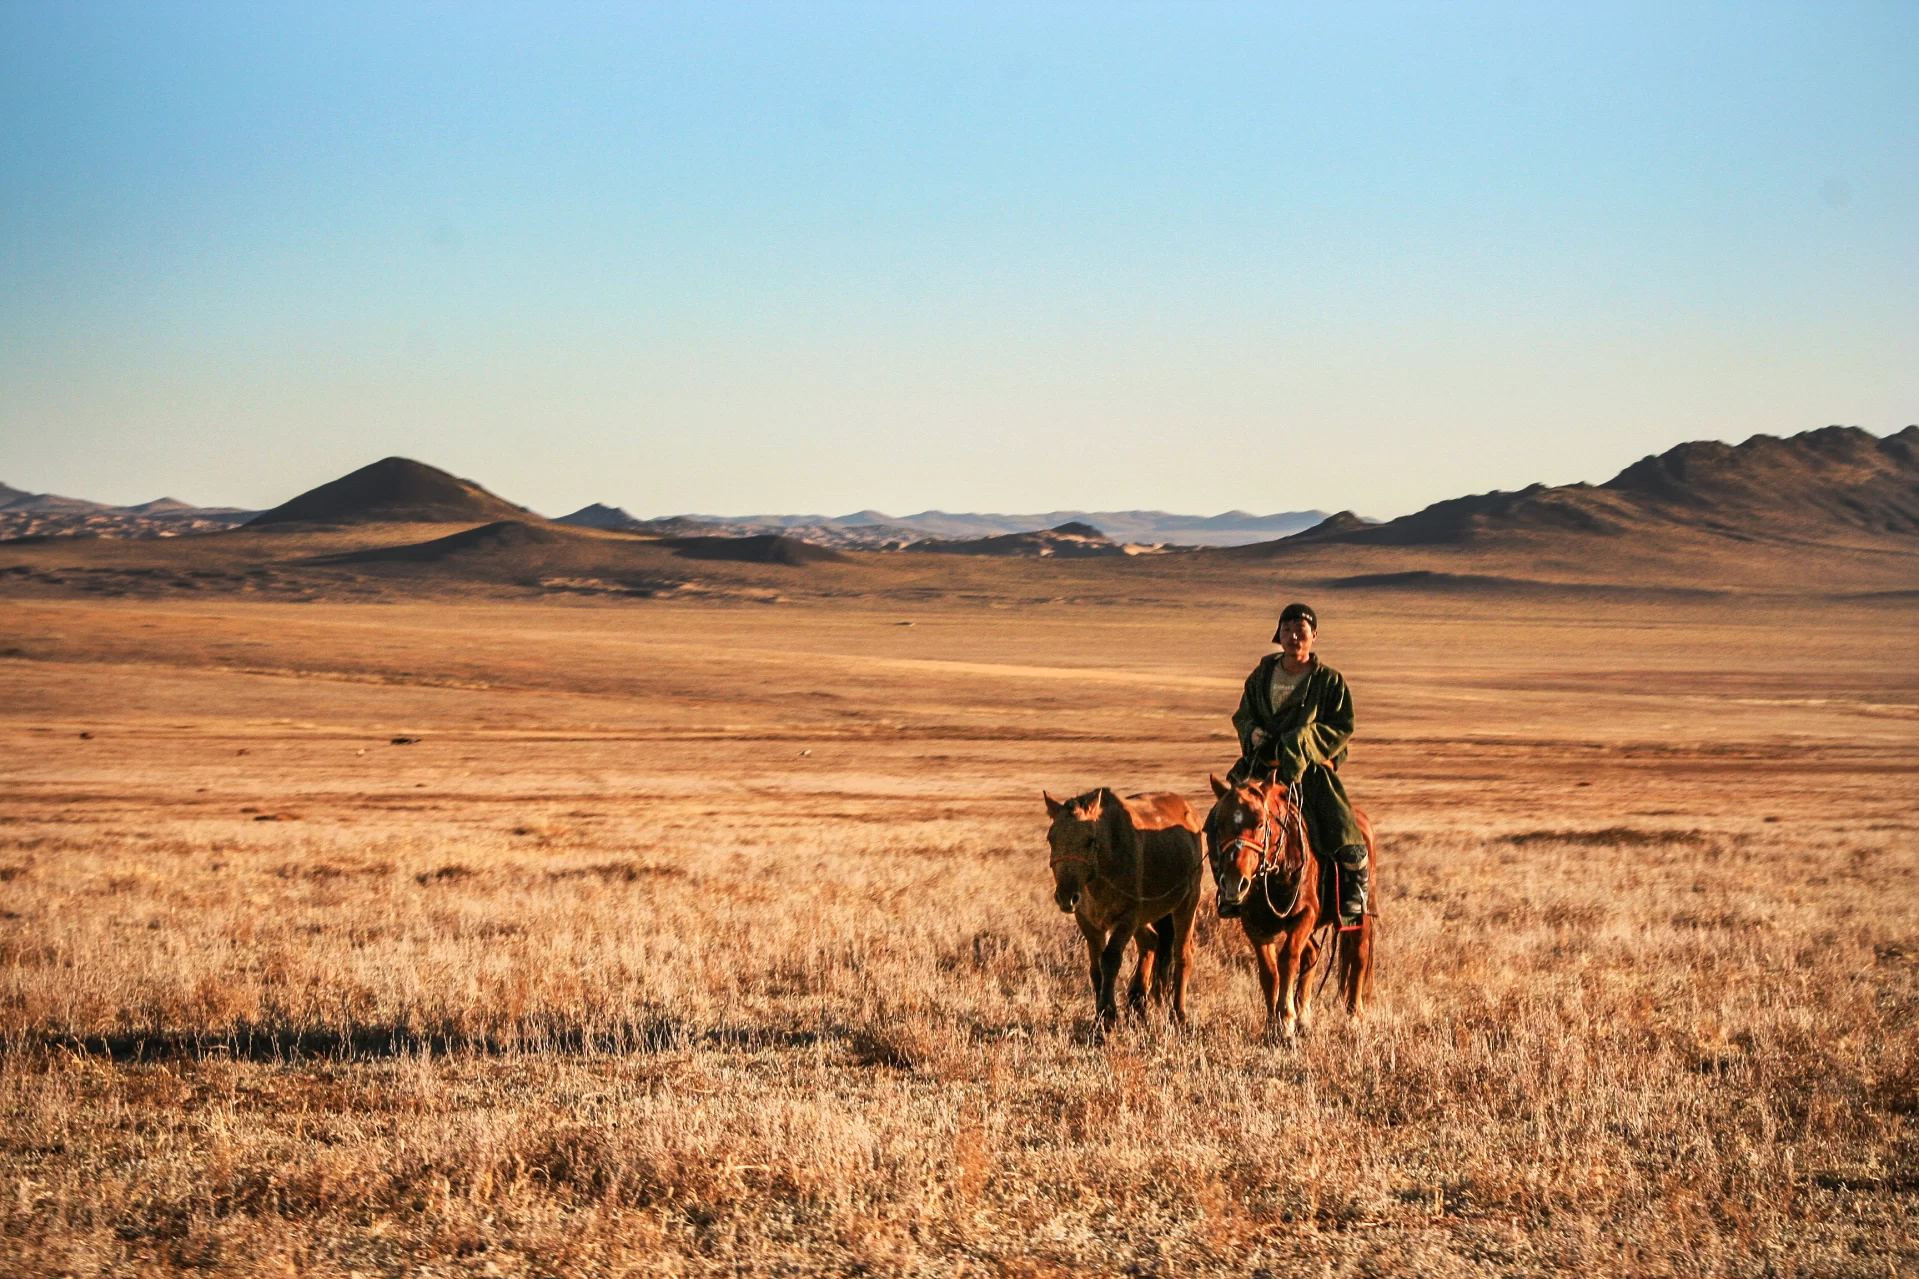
(1093, 807)
(1220, 789)
(1053, 806)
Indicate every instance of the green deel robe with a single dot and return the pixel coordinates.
(1306, 739)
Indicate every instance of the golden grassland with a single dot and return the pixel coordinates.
(718, 941)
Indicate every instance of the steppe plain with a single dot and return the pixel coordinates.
(703, 935)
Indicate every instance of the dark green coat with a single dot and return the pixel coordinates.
(1306, 740)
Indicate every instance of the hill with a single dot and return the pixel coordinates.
(481, 542)
(1837, 485)
(1071, 540)
(1833, 512)
(17, 500)
(762, 548)
(877, 530)
(1333, 525)
(394, 490)
(49, 515)
(599, 515)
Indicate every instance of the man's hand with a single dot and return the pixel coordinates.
(1260, 737)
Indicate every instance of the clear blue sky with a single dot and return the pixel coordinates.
(740, 258)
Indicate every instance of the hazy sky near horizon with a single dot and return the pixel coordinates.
(1023, 257)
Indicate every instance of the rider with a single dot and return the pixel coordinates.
(1293, 721)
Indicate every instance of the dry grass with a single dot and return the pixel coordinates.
(695, 941)
(841, 1049)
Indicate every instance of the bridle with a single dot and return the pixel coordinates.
(1271, 845)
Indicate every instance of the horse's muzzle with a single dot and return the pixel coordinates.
(1067, 905)
(1228, 910)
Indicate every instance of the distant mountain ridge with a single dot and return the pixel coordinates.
(599, 515)
(1226, 529)
(1838, 487)
(1071, 540)
(24, 514)
(877, 530)
(1837, 483)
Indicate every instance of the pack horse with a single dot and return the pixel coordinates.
(1128, 870)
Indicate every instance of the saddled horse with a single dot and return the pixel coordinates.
(1129, 870)
(1268, 877)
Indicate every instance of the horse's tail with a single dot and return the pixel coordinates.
(1356, 948)
(1363, 979)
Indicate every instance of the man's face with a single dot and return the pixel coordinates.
(1296, 639)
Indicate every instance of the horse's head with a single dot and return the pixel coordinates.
(1074, 838)
(1247, 834)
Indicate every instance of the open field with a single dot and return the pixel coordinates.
(715, 938)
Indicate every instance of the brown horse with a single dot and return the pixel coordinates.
(1269, 879)
(1129, 870)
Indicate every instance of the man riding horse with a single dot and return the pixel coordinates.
(1293, 721)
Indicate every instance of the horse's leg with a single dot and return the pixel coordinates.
(1292, 944)
(1180, 925)
(1266, 954)
(1110, 960)
(1146, 939)
(1095, 943)
(1309, 958)
(1356, 967)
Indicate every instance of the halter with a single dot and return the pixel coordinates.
(1090, 861)
(1061, 859)
(1272, 839)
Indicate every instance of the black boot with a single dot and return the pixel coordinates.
(1352, 884)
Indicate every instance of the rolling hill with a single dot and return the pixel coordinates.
(394, 490)
(877, 531)
(1071, 540)
(49, 515)
(1833, 511)
(1837, 485)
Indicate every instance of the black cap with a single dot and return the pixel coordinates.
(1294, 610)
